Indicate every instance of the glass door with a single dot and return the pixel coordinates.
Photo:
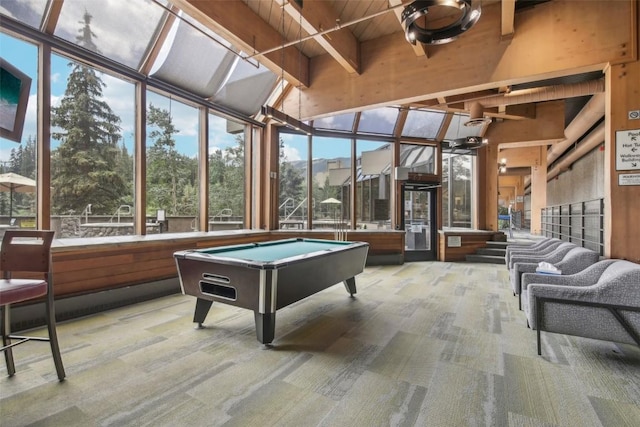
(419, 221)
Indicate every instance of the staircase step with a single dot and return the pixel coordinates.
(495, 244)
(491, 251)
(488, 259)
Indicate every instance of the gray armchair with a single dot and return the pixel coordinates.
(568, 259)
(601, 302)
(515, 247)
(547, 248)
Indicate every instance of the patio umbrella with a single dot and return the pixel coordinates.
(12, 182)
(331, 200)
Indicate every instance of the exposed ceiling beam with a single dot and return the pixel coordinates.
(419, 49)
(547, 128)
(508, 15)
(246, 30)
(478, 60)
(316, 16)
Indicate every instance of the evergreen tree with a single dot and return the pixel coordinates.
(226, 179)
(171, 176)
(22, 160)
(124, 168)
(85, 164)
(292, 185)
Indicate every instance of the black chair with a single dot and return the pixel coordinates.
(27, 251)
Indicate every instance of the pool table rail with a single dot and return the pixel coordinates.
(279, 283)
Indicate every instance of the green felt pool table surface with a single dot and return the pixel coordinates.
(274, 251)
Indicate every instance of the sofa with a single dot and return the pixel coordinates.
(600, 302)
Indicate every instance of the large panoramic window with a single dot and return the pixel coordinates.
(118, 30)
(172, 163)
(457, 194)
(226, 174)
(373, 179)
(331, 171)
(418, 158)
(378, 121)
(423, 124)
(292, 201)
(18, 158)
(92, 133)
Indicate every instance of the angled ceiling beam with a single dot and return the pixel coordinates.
(478, 60)
(418, 48)
(508, 15)
(546, 129)
(246, 30)
(316, 16)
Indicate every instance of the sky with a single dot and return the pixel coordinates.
(119, 94)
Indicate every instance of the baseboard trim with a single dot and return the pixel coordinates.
(33, 315)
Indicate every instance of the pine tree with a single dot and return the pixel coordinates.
(226, 179)
(171, 176)
(85, 164)
(292, 185)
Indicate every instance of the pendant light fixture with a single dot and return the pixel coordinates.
(459, 15)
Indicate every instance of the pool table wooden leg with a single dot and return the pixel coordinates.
(265, 327)
(202, 309)
(350, 285)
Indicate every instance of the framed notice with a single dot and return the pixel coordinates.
(628, 150)
(629, 179)
(454, 241)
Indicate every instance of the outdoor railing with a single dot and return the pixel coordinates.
(581, 223)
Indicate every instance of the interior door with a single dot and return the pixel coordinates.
(419, 221)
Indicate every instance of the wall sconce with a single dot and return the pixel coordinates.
(502, 166)
(467, 13)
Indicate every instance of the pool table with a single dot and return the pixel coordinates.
(265, 277)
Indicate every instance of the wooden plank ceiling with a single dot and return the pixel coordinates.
(296, 41)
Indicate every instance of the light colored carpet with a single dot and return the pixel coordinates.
(423, 344)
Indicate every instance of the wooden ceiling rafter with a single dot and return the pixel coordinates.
(246, 30)
(317, 16)
(508, 18)
(419, 49)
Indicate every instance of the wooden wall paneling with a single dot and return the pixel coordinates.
(538, 191)
(622, 202)
(470, 242)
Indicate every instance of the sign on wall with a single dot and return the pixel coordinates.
(629, 179)
(628, 150)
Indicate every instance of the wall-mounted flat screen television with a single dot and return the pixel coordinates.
(14, 97)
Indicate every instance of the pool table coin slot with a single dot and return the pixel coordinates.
(217, 290)
(216, 278)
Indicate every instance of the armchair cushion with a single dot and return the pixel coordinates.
(538, 246)
(540, 255)
(529, 264)
(607, 308)
(573, 261)
(17, 290)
